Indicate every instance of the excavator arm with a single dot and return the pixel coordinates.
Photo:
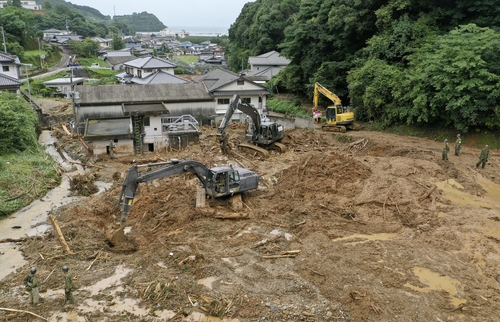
(248, 109)
(161, 170)
(320, 89)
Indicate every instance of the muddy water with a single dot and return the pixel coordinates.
(436, 281)
(110, 287)
(30, 221)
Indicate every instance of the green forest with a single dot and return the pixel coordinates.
(393, 61)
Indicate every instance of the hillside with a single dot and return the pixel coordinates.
(143, 21)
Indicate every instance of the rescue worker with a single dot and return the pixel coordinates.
(31, 284)
(68, 285)
(458, 145)
(483, 158)
(446, 149)
(112, 149)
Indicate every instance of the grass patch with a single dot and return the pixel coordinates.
(25, 177)
(344, 138)
(188, 59)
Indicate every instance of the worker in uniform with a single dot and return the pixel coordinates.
(458, 145)
(483, 158)
(446, 149)
(68, 285)
(31, 284)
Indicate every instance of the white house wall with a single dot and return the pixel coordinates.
(153, 132)
(13, 70)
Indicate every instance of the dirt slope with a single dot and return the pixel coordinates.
(352, 232)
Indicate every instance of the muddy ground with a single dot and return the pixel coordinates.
(380, 230)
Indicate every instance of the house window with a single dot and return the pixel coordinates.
(240, 82)
(127, 70)
(139, 73)
(146, 121)
(223, 101)
(148, 70)
(5, 68)
(246, 100)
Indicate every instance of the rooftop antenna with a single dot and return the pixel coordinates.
(114, 11)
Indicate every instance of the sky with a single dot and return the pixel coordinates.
(197, 14)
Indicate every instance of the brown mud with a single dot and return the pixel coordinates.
(379, 230)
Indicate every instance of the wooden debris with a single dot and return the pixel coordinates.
(85, 164)
(66, 130)
(45, 280)
(308, 314)
(277, 256)
(85, 145)
(266, 241)
(90, 266)
(428, 192)
(59, 234)
(22, 311)
(232, 216)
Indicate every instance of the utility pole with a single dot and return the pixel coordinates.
(4, 44)
(28, 79)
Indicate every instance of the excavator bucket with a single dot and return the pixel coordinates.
(116, 237)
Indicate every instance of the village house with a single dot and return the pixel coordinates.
(10, 72)
(223, 84)
(267, 65)
(149, 70)
(30, 4)
(138, 119)
(116, 58)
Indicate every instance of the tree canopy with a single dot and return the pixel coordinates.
(413, 62)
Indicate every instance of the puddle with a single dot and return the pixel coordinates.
(30, 220)
(436, 282)
(367, 238)
(111, 281)
(207, 281)
(10, 259)
(450, 191)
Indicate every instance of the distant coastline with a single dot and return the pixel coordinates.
(201, 31)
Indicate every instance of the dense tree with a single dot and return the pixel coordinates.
(13, 112)
(118, 43)
(87, 48)
(259, 29)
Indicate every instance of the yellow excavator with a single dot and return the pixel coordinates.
(338, 119)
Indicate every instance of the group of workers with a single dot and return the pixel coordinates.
(483, 157)
(32, 285)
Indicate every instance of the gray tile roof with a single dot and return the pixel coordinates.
(137, 94)
(272, 58)
(108, 127)
(7, 81)
(6, 58)
(150, 63)
(160, 77)
(217, 78)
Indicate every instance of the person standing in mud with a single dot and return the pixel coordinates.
(31, 284)
(446, 149)
(483, 158)
(68, 285)
(458, 145)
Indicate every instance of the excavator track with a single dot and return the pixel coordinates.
(280, 147)
(253, 148)
(334, 128)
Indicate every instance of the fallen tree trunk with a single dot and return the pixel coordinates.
(59, 234)
(22, 311)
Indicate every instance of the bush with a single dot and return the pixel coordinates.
(18, 124)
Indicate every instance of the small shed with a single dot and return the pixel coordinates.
(64, 84)
(110, 136)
